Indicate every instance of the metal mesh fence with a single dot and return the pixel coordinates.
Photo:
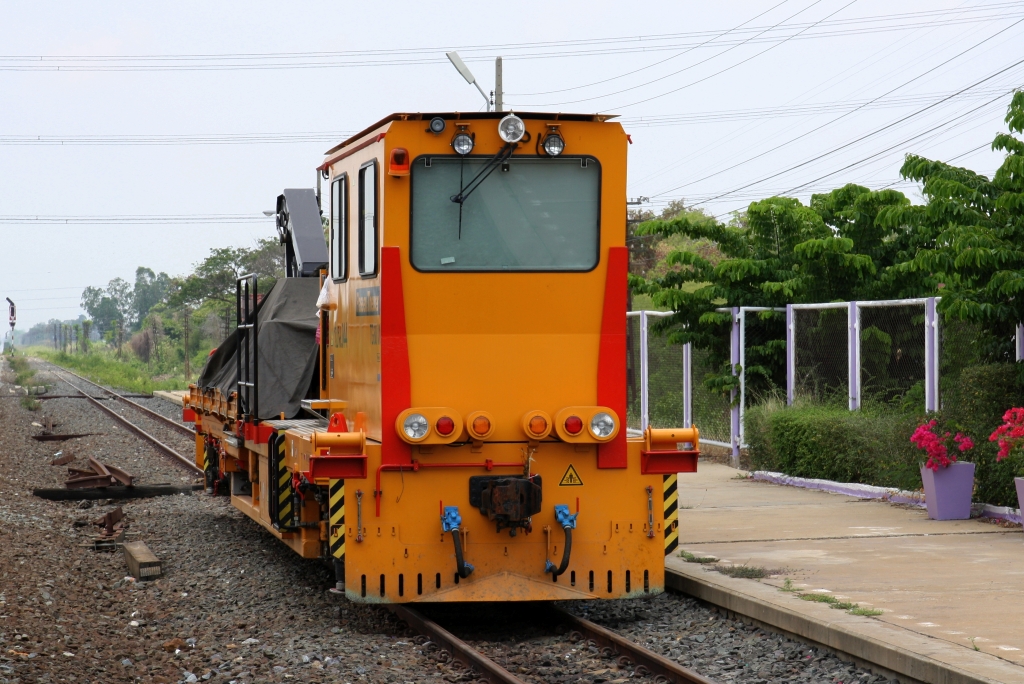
(892, 354)
(633, 379)
(764, 355)
(959, 349)
(666, 380)
(710, 406)
(822, 348)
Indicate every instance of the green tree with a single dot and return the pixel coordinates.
(779, 252)
(970, 237)
(214, 278)
(150, 289)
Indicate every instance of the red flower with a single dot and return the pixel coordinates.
(935, 446)
(1010, 434)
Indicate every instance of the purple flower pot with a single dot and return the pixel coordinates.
(947, 491)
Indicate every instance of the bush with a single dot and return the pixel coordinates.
(872, 446)
(974, 405)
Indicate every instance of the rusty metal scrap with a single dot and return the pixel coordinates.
(98, 475)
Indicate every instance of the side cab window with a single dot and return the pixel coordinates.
(339, 228)
(368, 227)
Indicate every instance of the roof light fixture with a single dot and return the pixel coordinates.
(511, 129)
(462, 143)
(553, 144)
(437, 125)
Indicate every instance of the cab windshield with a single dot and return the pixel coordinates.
(528, 214)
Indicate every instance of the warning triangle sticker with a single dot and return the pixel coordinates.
(571, 478)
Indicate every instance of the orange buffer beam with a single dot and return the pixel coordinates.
(416, 465)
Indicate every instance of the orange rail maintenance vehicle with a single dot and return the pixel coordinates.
(461, 436)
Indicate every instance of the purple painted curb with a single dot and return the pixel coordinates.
(889, 494)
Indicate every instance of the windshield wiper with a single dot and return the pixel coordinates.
(468, 188)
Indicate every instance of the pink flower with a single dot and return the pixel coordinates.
(936, 447)
(1010, 434)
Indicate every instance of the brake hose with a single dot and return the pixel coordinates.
(450, 522)
(568, 523)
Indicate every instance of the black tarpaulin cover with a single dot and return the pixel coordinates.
(287, 322)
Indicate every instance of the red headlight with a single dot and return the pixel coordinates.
(574, 425)
(444, 426)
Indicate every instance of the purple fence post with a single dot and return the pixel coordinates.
(853, 325)
(931, 356)
(1020, 341)
(687, 385)
(734, 410)
(790, 354)
(644, 374)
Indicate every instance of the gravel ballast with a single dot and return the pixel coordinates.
(235, 605)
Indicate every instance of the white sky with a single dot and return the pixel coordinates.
(729, 99)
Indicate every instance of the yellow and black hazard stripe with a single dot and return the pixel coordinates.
(284, 482)
(671, 508)
(336, 535)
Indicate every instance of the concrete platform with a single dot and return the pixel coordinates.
(173, 396)
(952, 592)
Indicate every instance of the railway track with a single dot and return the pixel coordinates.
(162, 421)
(629, 658)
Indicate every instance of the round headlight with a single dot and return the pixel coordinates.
(462, 143)
(436, 125)
(511, 129)
(602, 425)
(415, 426)
(554, 145)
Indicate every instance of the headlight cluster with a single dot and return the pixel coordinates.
(576, 424)
(511, 129)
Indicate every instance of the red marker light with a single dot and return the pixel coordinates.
(444, 426)
(574, 425)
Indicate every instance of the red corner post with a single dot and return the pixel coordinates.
(611, 365)
(395, 378)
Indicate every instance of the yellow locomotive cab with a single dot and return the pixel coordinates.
(473, 370)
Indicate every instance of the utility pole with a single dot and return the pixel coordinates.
(498, 98)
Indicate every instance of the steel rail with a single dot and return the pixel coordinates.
(460, 650)
(656, 664)
(138, 431)
(149, 412)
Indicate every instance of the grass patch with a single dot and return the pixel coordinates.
(866, 612)
(22, 371)
(838, 604)
(31, 404)
(102, 366)
(747, 571)
(788, 586)
(691, 558)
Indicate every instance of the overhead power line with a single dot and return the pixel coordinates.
(872, 133)
(180, 139)
(876, 99)
(140, 219)
(533, 50)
